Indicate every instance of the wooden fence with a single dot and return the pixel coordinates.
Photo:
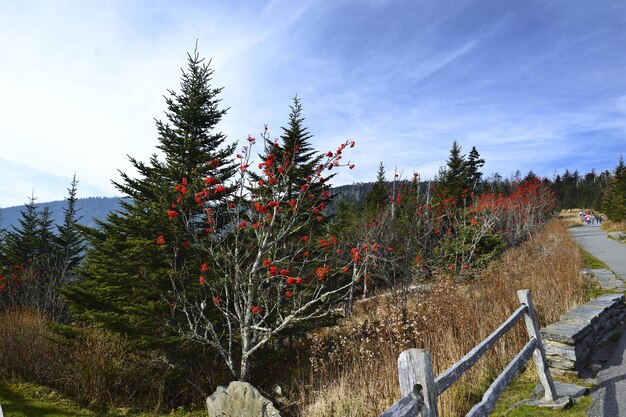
(420, 389)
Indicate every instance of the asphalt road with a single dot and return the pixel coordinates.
(609, 397)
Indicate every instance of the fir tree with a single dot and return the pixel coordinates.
(614, 202)
(378, 196)
(473, 165)
(295, 143)
(453, 178)
(69, 240)
(124, 276)
(23, 242)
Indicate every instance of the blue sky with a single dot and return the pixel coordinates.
(535, 85)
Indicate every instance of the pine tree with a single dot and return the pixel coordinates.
(473, 165)
(69, 239)
(378, 196)
(295, 142)
(453, 178)
(295, 158)
(614, 201)
(23, 243)
(124, 276)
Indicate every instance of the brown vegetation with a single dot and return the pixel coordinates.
(94, 368)
(611, 226)
(354, 365)
(346, 370)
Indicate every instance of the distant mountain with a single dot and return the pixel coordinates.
(89, 209)
(97, 208)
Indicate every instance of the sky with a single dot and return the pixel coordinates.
(533, 84)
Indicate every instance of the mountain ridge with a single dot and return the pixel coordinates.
(91, 209)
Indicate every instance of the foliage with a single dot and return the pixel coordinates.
(123, 275)
(574, 190)
(454, 178)
(614, 200)
(355, 362)
(20, 399)
(36, 263)
(521, 388)
(263, 268)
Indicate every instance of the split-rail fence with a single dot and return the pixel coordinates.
(420, 389)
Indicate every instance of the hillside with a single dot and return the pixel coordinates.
(89, 210)
(97, 208)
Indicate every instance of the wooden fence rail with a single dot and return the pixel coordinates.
(420, 389)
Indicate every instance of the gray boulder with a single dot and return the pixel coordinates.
(240, 399)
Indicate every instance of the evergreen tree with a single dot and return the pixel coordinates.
(473, 165)
(453, 179)
(344, 221)
(124, 276)
(23, 242)
(614, 202)
(378, 196)
(295, 143)
(292, 162)
(69, 239)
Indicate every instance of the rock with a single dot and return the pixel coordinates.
(617, 235)
(566, 332)
(558, 404)
(608, 280)
(240, 399)
(563, 389)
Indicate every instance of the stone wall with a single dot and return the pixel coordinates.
(570, 342)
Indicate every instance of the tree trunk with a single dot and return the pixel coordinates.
(244, 373)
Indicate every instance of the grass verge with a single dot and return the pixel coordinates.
(521, 389)
(591, 262)
(27, 400)
(19, 399)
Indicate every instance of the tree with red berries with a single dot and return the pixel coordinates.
(262, 270)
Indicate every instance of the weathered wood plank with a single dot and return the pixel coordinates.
(539, 355)
(452, 374)
(483, 408)
(409, 406)
(415, 367)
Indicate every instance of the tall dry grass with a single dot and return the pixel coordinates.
(354, 364)
(611, 226)
(94, 368)
(570, 217)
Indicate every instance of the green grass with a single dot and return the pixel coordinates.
(26, 400)
(591, 262)
(521, 388)
(19, 399)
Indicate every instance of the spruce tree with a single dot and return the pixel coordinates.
(453, 178)
(295, 143)
(378, 196)
(23, 243)
(124, 276)
(473, 165)
(614, 202)
(69, 240)
(296, 159)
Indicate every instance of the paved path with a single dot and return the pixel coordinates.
(609, 398)
(613, 253)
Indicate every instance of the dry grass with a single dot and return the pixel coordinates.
(610, 226)
(95, 368)
(570, 217)
(354, 365)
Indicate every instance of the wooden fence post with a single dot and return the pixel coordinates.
(415, 368)
(539, 355)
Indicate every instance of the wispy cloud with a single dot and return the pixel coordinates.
(533, 85)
